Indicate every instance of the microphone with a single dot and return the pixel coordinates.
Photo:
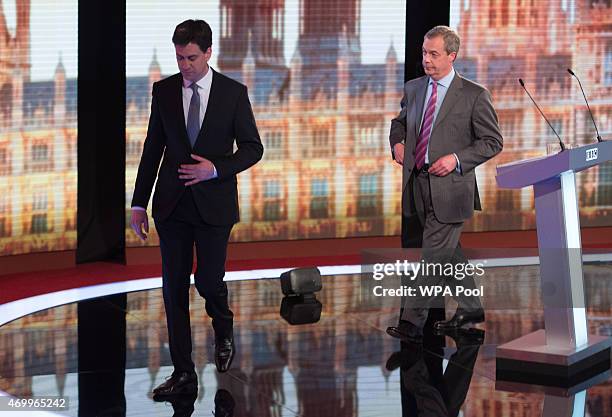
(542, 113)
(587, 103)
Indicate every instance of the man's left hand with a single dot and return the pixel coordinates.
(443, 166)
(202, 171)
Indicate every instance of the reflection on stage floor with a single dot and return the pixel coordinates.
(106, 354)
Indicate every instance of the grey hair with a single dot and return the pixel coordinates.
(450, 36)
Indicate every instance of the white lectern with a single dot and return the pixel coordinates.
(564, 347)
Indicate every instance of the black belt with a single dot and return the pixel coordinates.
(424, 169)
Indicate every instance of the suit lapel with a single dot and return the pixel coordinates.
(212, 104)
(452, 95)
(177, 103)
(420, 104)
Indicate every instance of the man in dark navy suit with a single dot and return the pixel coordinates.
(196, 117)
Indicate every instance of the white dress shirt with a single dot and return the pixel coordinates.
(204, 85)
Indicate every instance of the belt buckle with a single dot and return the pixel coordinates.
(424, 168)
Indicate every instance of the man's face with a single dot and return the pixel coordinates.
(436, 62)
(192, 62)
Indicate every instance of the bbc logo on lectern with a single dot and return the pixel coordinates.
(591, 154)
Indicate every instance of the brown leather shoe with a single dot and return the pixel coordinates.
(224, 353)
(178, 383)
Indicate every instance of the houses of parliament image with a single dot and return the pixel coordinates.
(324, 118)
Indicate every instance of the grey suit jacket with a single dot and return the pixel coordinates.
(466, 125)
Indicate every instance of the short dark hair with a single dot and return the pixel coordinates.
(196, 31)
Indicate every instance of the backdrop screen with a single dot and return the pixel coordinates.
(324, 81)
(537, 41)
(38, 93)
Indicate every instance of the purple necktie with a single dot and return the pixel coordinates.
(423, 139)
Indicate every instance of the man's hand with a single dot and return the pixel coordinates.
(443, 166)
(202, 171)
(398, 153)
(140, 223)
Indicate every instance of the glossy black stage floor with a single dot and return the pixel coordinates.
(106, 354)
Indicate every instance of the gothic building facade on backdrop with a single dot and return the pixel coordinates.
(37, 148)
(503, 40)
(324, 120)
(323, 115)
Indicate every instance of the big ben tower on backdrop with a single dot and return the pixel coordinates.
(326, 28)
(251, 24)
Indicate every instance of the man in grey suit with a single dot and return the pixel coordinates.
(446, 128)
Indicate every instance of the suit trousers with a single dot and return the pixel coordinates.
(440, 245)
(178, 234)
(412, 237)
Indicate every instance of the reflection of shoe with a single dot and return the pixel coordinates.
(409, 354)
(183, 405)
(224, 404)
(406, 331)
(461, 318)
(463, 337)
(394, 361)
(178, 383)
(224, 353)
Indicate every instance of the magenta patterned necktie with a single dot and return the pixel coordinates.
(421, 146)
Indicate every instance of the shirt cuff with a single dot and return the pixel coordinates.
(138, 208)
(215, 175)
(458, 167)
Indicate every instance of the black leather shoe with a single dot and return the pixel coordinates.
(406, 331)
(183, 405)
(178, 383)
(463, 337)
(460, 319)
(224, 354)
(406, 357)
(394, 361)
(224, 404)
